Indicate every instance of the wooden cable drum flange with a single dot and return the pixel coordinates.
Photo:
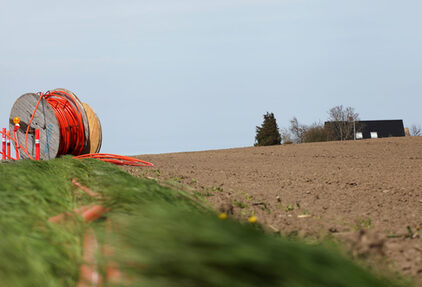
(44, 119)
(95, 131)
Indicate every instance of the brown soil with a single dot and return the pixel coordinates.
(366, 193)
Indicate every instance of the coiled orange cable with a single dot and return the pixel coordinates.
(69, 116)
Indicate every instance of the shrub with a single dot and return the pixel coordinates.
(316, 133)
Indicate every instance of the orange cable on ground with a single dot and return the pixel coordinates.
(88, 191)
(63, 216)
(116, 159)
(88, 274)
(114, 275)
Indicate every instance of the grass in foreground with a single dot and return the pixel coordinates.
(162, 236)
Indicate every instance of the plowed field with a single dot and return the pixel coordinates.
(367, 193)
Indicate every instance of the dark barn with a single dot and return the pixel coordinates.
(369, 129)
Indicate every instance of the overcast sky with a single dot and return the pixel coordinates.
(184, 75)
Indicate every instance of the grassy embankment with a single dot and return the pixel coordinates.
(162, 236)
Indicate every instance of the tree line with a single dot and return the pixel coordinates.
(341, 124)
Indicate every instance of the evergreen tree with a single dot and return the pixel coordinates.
(268, 133)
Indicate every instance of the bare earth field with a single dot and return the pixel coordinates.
(367, 194)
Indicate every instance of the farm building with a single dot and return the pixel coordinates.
(366, 129)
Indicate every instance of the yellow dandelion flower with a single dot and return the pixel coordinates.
(222, 215)
(252, 219)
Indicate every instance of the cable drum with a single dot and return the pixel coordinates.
(64, 124)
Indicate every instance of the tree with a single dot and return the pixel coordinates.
(286, 136)
(415, 131)
(298, 130)
(342, 121)
(268, 133)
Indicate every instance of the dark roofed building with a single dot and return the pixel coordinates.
(381, 129)
(371, 129)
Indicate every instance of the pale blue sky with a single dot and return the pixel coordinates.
(169, 75)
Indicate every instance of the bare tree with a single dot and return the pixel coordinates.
(286, 136)
(415, 131)
(342, 119)
(298, 130)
